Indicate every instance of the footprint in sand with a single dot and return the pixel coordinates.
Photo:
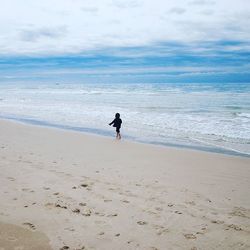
(129, 194)
(217, 221)
(84, 185)
(192, 203)
(189, 236)
(112, 215)
(240, 212)
(61, 206)
(11, 238)
(11, 178)
(125, 201)
(49, 205)
(177, 212)
(87, 212)
(30, 225)
(57, 204)
(159, 209)
(82, 204)
(161, 229)
(107, 200)
(235, 227)
(99, 214)
(141, 223)
(69, 229)
(76, 210)
(202, 231)
(64, 248)
(149, 211)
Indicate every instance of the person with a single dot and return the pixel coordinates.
(117, 124)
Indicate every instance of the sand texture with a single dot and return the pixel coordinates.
(68, 190)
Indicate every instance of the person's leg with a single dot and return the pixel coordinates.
(118, 135)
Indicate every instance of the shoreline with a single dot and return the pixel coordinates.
(107, 134)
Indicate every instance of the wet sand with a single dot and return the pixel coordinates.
(16, 237)
(69, 190)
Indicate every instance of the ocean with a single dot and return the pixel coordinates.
(212, 117)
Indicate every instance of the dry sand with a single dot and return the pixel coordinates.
(68, 190)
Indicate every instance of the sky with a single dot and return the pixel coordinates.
(125, 40)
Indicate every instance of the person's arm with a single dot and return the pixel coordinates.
(111, 123)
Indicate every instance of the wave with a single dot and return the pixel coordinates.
(232, 107)
(245, 115)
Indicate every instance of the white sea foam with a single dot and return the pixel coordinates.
(245, 115)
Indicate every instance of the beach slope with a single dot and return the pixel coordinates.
(69, 190)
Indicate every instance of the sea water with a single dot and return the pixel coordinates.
(214, 117)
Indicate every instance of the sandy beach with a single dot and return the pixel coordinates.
(69, 190)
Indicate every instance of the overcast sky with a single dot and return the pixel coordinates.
(176, 39)
(74, 26)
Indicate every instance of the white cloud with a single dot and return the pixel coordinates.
(202, 2)
(75, 26)
(177, 10)
(127, 4)
(30, 35)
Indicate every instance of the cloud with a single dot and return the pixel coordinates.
(207, 12)
(76, 27)
(202, 2)
(177, 10)
(90, 9)
(227, 60)
(126, 4)
(32, 35)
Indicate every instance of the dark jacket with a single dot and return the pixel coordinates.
(116, 122)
